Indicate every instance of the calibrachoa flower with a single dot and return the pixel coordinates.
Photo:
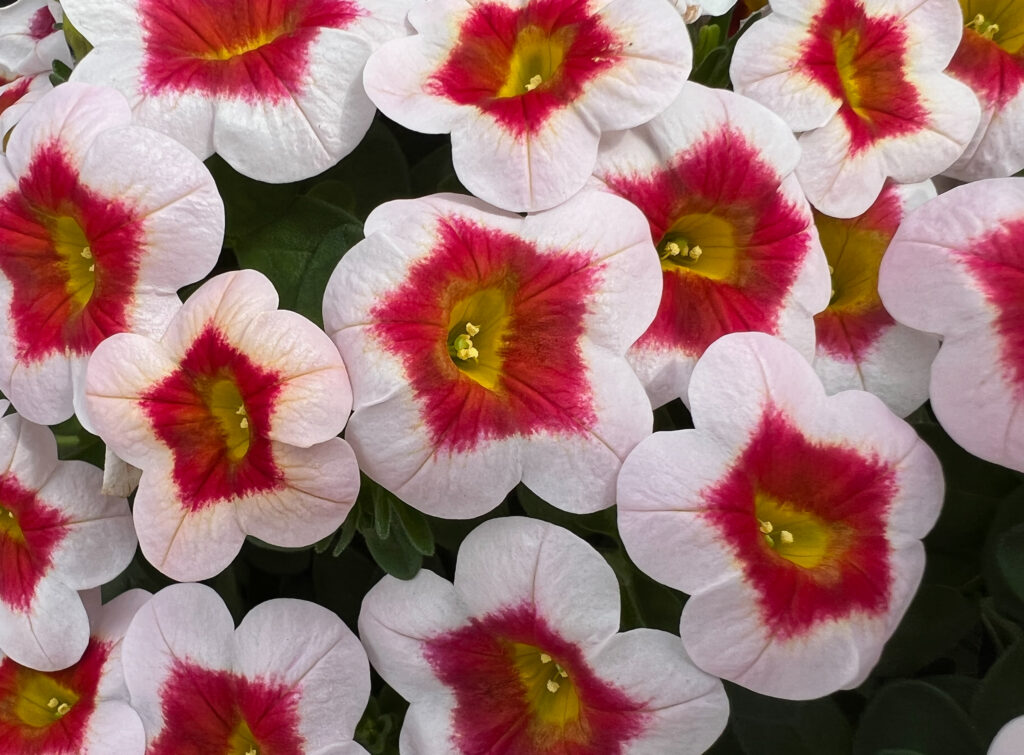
(16, 97)
(81, 709)
(232, 417)
(990, 60)
(956, 267)
(738, 248)
(29, 38)
(100, 223)
(792, 519)
(273, 87)
(863, 79)
(486, 348)
(527, 86)
(859, 345)
(522, 655)
(292, 679)
(58, 534)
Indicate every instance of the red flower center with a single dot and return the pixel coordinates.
(860, 59)
(807, 520)
(30, 530)
(519, 687)
(528, 374)
(253, 50)
(521, 65)
(72, 257)
(214, 413)
(208, 711)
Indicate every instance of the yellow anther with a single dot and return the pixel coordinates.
(694, 253)
(62, 709)
(786, 536)
(672, 249)
(766, 527)
(92, 268)
(472, 329)
(552, 686)
(54, 702)
(252, 751)
(10, 515)
(545, 658)
(464, 344)
(986, 30)
(535, 82)
(991, 31)
(243, 423)
(563, 673)
(87, 253)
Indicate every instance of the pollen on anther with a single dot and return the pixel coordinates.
(694, 253)
(545, 658)
(54, 702)
(62, 709)
(472, 329)
(87, 252)
(535, 82)
(552, 686)
(786, 536)
(766, 527)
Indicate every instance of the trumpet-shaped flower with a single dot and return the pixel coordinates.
(291, 679)
(791, 518)
(16, 97)
(527, 86)
(29, 38)
(734, 233)
(863, 79)
(84, 708)
(990, 60)
(232, 418)
(859, 345)
(273, 87)
(58, 535)
(522, 655)
(100, 223)
(956, 267)
(486, 348)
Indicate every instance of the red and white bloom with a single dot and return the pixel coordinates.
(738, 247)
(487, 348)
(58, 535)
(522, 654)
(84, 708)
(792, 519)
(274, 87)
(16, 97)
(527, 86)
(990, 60)
(29, 38)
(100, 223)
(291, 679)
(859, 345)
(863, 79)
(956, 267)
(232, 417)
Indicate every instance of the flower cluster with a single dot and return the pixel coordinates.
(655, 310)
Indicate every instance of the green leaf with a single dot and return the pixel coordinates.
(1000, 695)
(374, 173)
(769, 726)
(416, 527)
(381, 513)
(1010, 559)
(339, 583)
(395, 555)
(435, 173)
(61, 72)
(914, 716)
(346, 532)
(79, 45)
(938, 617)
(249, 204)
(299, 251)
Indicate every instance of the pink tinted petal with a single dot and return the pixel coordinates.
(518, 561)
(100, 539)
(184, 544)
(321, 484)
(52, 634)
(686, 709)
(328, 668)
(114, 726)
